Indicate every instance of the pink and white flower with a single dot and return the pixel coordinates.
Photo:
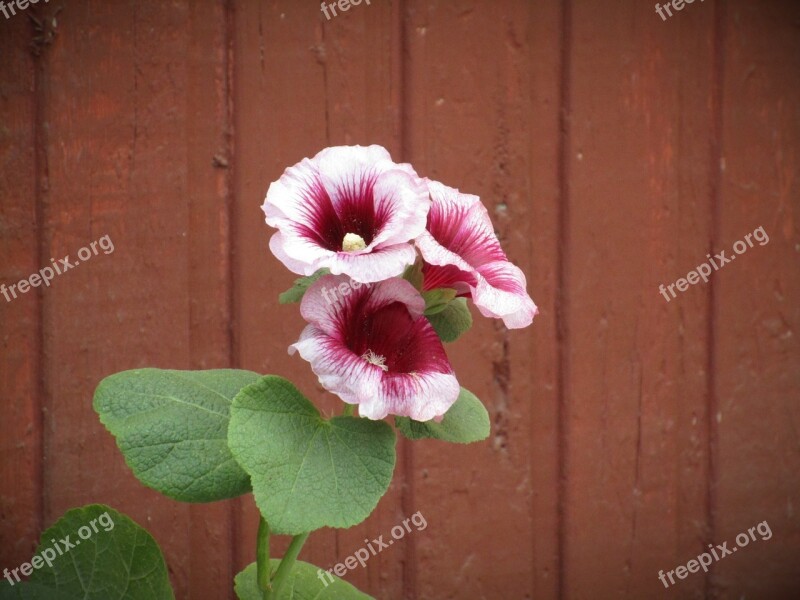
(350, 209)
(374, 348)
(461, 251)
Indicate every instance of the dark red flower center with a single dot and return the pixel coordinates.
(354, 213)
(390, 337)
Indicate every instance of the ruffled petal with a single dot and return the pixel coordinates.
(333, 300)
(369, 344)
(338, 369)
(500, 293)
(420, 396)
(304, 258)
(376, 265)
(351, 192)
(461, 251)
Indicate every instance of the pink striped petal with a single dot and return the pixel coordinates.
(461, 251)
(347, 190)
(370, 345)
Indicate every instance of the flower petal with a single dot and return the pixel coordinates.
(377, 265)
(338, 369)
(309, 255)
(330, 301)
(350, 192)
(500, 293)
(461, 250)
(422, 396)
(369, 344)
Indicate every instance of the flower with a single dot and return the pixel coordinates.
(370, 345)
(461, 251)
(350, 209)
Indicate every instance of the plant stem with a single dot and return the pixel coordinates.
(349, 409)
(287, 562)
(262, 559)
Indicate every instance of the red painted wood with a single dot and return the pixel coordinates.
(20, 324)
(637, 203)
(757, 357)
(547, 63)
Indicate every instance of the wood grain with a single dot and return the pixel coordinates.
(756, 309)
(635, 397)
(21, 187)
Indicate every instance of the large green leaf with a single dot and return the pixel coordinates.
(305, 582)
(172, 427)
(95, 553)
(308, 472)
(467, 421)
(437, 301)
(451, 321)
(29, 591)
(301, 285)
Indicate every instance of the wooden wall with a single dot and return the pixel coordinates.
(614, 151)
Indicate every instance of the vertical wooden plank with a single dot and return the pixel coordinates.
(207, 139)
(304, 82)
(757, 313)
(469, 126)
(135, 96)
(20, 423)
(548, 40)
(638, 216)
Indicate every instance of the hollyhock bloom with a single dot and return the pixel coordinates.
(370, 345)
(461, 251)
(350, 209)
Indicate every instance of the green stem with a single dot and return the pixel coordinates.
(349, 409)
(262, 559)
(287, 562)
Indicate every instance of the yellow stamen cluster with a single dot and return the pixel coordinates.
(353, 242)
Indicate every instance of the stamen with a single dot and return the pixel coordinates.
(375, 359)
(353, 242)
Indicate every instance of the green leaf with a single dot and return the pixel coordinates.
(304, 583)
(413, 274)
(172, 427)
(298, 290)
(308, 472)
(454, 320)
(467, 421)
(29, 591)
(119, 560)
(437, 300)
